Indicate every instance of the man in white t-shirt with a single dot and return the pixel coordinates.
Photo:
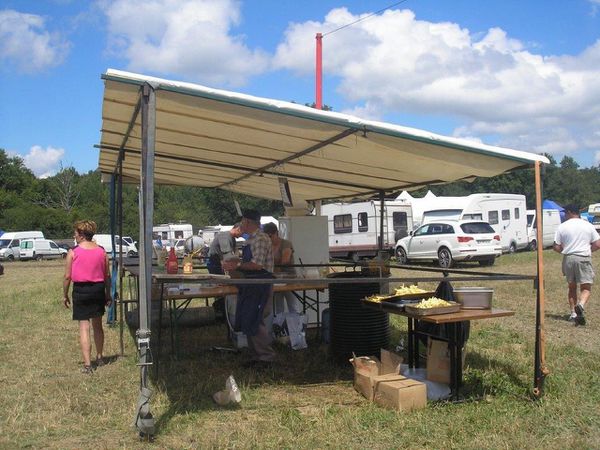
(576, 239)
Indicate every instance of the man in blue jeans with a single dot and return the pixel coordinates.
(253, 299)
(576, 239)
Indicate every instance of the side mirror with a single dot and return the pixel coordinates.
(411, 233)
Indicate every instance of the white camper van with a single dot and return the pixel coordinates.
(506, 213)
(10, 243)
(354, 228)
(171, 232)
(40, 249)
(550, 223)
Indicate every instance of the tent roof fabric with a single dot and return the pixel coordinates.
(219, 139)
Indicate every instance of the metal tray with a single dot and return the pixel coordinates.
(396, 303)
(455, 307)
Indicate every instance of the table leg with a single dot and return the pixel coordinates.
(453, 344)
(411, 362)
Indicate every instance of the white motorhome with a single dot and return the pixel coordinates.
(550, 223)
(170, 232)
(354, 228)
(10, 243)
(40, 249)
(594, 212)
(506, 213)
(105, 241)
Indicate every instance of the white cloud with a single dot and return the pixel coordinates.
(490, 82)
(597, 158)
(43, 162)
(27, 44)
(191, 38)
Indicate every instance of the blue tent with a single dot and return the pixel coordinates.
(550, 204)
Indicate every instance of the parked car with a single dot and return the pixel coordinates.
(448, 241)
(179, 245)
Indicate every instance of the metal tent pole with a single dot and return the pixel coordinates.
(381, 213)
(144, 420)
(111, 313)
(540, 370)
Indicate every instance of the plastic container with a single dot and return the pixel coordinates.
(172, 264)
(474, 297)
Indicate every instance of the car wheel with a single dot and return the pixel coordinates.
(131, 253)
(355, 257)
(445, 258)
(512, 247)
(37, 257)
(401, 256)
(533, 245)
(487, 262)
(63, 255)
(10, 257)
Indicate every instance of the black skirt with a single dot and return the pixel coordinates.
(88, 300)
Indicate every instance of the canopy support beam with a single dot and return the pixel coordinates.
(310, 149)
(540, 369)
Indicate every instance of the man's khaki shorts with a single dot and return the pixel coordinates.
(578, 269)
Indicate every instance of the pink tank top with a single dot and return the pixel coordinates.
(89, 265)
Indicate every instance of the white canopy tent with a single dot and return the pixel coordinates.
(168, 132)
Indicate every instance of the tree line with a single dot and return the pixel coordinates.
(53, 204)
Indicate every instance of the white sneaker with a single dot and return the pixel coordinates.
(572, 317)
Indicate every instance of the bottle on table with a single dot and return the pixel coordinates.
(172, 264)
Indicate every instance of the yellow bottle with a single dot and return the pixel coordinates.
(188, 264)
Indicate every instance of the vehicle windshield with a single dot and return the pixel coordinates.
(529, 219)
(476, 228)
(4, 243)
(596, 219)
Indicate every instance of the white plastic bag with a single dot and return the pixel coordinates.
(231, 393)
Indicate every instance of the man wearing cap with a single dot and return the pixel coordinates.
(576, 239)
(257, 262)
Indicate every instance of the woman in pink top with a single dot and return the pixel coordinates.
(87, 267)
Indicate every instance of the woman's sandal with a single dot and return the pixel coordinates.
(100, 362)
(88, 370)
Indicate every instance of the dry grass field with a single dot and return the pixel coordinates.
(305, 401)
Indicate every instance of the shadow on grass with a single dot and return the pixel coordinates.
(201, 367)
(490, 376)
(559, 317)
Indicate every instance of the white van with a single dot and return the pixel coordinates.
(10, 243)
(40, 249)
(550, 223)
(104, 241)
(354, 228)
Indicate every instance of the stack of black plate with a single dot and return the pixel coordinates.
(353, 327)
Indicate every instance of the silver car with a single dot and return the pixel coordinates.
(448, 241)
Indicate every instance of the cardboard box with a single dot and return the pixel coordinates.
(438, 361)
(366, 368)
(400, 393)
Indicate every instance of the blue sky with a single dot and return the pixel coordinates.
(519, 74)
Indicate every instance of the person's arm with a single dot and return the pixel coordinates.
(107, 285)
(67, 279)
(595, 245)
(286, 256)
(557, 247)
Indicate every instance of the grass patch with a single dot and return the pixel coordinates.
(304, 402)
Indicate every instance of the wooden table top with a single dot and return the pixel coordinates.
(463, 314)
